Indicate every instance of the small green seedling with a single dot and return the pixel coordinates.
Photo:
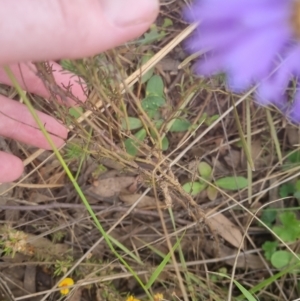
(73, 151)
(155, 34)
(205, 172)
(152, 103)
(133, 145)
(288, 231)
(208, 120)
(61, 267)
(291, 188)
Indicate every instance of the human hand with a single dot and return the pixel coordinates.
(34, 30)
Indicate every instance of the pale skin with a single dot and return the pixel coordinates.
(35, 30)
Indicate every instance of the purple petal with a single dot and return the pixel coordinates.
(272, 90)
(269, 14)
(270, 93)
(217, 9)
(251, 59)
(213, 35)
(209, 65)
(294, 111)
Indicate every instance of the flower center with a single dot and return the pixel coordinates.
(295, 19)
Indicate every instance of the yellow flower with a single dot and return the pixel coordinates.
(65, 282)
(131, 298)
(158, 297)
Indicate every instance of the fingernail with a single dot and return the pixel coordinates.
(125, 13)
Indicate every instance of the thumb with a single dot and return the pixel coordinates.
(52, 29)
(11, 167)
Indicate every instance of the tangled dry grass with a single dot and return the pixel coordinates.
(170, 241)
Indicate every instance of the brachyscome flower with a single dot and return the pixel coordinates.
(158, 297)
(131, 298)
(64, 283)
(253, 42)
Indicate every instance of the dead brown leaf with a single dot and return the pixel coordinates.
(226, 229)
(146, 201)
(233, 158)
(293, 135)
(111, 187)
(244, 260)
(37, 197)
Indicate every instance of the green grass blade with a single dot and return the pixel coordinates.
(242, 137)
(269, 280)
(161, 266)
(274, 135)
(71, 177)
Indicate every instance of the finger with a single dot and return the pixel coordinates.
(11, 167)
(52, 29)
(26, 75)
(17, 123)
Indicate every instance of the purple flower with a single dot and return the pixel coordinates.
(253, 42)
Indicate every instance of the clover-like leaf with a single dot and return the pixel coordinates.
(280, 259)
(269, 248)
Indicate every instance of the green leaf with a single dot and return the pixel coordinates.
(193, 188)
(289, 231)
(152, 36)
(151, 104)
(285, 234)
(167, 22)
(202, 118)
(268, 216)
(180, 125)
(297, 185)
(289, 219)
(294, 157)
(155, 86)
(286, 190)
(211, 119)
(297, 195)
(165, 143)
(76, 112)
(133, 123)
(159, 123)
(149, 73)
(270, 248)
(232, 183)
(205, 170)
(212, 193)
(280, 259)
(131, 145)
